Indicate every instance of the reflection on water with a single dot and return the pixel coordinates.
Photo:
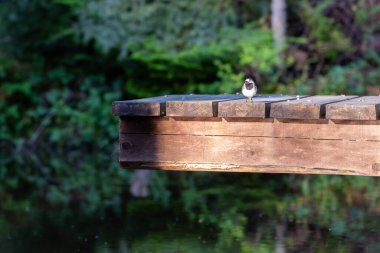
(67, 223)
(159, 234)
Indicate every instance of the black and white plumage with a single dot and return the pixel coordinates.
(249, 89)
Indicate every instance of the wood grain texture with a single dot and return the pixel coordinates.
(212, 167)
(225, 152)
(197, 105)
(258, 108)
(224, 133)
(306, 108)
(155, 106)
(361, 108)
(309, 129)
(227, 105)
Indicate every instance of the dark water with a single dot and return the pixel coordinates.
(145, 229)
(171, 234)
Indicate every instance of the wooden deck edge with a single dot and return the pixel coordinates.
(212, 167)
(266, 106)
(321, 129)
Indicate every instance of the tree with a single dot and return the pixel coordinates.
(278, 20)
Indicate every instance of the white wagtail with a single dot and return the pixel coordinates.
(249, 89)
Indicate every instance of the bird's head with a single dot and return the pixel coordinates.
(249, 83)
(249, 80)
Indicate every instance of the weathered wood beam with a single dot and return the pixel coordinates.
(211, 167)
(362, 108)
(258, 108)
(197, 105)
(172, 105)
(309, 129)
(293, 146)
(263, 106)
(305, 108)
(274, 134)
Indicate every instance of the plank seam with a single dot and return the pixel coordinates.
(253, 136)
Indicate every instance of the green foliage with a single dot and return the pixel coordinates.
(58, 79)
(255, 49)
(366, 16)
(232, 235)
(327, 38)
(173, 25)
(159, 188)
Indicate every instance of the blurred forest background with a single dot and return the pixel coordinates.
(62, 63)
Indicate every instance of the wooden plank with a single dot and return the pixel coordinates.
(313, 129)
(197, 105)
(305, 108)
(154, 106)
(212, 167)
(362, 108)
(235, 153)
(258, 108)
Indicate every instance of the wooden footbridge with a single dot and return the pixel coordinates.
(274, 134)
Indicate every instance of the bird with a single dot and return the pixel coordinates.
(249, 89)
